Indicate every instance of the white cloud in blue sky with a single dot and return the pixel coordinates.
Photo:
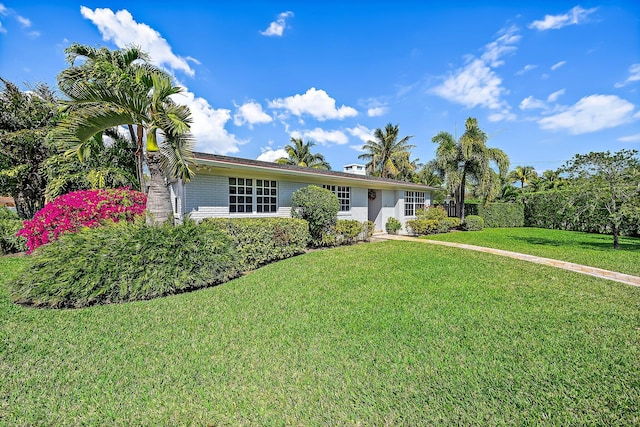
(576, 15)
(315, 103)
(634, 76)
(276, 28)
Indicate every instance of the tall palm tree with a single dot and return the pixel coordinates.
(113, 68)
(300, 154)
(147, 103)
(387, 156)
(522, 174)
(469, 159)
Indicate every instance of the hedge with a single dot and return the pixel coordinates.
(125, 262)
(497, 215)
(259, 241)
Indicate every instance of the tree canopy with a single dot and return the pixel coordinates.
(299, 154)
(388, 155)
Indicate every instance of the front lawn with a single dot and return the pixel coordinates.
(595, 250)
(391, 333)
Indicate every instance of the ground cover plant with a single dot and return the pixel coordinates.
(582, 248)
(392, 333)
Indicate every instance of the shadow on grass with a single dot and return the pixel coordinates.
(602, 245)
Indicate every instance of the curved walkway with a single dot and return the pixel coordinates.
(579, 268)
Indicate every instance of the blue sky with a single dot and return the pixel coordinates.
(545, 79)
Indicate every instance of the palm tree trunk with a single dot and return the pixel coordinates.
(159, 209)
(463, 184)
(139, 158)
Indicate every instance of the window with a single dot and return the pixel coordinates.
(344, 195)
(247, 195)
(413, 200)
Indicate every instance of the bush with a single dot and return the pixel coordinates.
(368, 229)
(497, 215)
(421, 227)
(451, 222)
(87, 208)
(263, 240)
(10, 242)
(473, 223)
(319, 207)
(6, 213)
(125, 262)
(348, 230)
(393, 225)
(436, 213)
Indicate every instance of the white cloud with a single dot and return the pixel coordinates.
(269, 155)
(526, 68)
(362, 132)
(555, 95)
(316, 103)
(2, 29)
(504, 115)
(25, 22)
(208, 125)
(630, 138)
(250, 113)
(377, 111)
(276, 28)
(575, 16)
(476, 83)
(591, 114)
(123, 30)
(3, 9)
(557, 65)
(634, 76)
(321, 136)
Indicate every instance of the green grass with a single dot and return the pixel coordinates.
(595, 250)
(392, 333)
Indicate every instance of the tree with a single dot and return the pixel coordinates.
(300, 154)
(523, 175)
(469, 159)
(387, 156)
(610, 179)
(25, 120)
(97, 105)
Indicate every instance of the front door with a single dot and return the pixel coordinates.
(375, 208)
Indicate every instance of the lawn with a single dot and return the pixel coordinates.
(390, 333)
(595, 250)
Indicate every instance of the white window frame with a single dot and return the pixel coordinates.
(343, 193)
(413, 200)
(247, 196)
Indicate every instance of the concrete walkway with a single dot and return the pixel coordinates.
(584, 269)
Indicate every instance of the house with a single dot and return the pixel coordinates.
(234, 187)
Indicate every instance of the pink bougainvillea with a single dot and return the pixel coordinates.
(87, 208)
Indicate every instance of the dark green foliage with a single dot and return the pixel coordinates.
(451, 222)
(263, 240)
(498, 215)
(348, 230)
(473, 223)
(125, 262)
(319, 207)
(9, 226)
(393, 225)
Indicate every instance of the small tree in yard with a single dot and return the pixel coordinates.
(610, 179)
(319, 207)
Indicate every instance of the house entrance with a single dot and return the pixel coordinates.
(375, 208)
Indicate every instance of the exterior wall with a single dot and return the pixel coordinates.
(208, 196)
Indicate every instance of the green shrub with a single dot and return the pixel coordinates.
(423, 227)
(10, 242)
(436, 213)
(451, 222)
(473, 223)
(349, 230)
(498, 215)
(263, 240)
(6, 213)
(319, 207)
(125, 262)
(393, 225)
(368, 227)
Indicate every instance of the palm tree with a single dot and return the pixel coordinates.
(300, 154)
(113, 68)
(522, 174)
(388, 157)
(98, 105)
(469, 159)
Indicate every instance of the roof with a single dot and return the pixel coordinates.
(226, 162)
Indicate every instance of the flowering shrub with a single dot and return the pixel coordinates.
(87, 208)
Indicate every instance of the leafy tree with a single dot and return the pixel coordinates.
(610, 179)
(523, 175)
(387, 156)
(300, 154)
(25, 120)
(147, 102)
(469, 159)
(319, 207)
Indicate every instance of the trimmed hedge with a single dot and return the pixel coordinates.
(423, 227)
(319, 207)
(349, 231)
(497, 215)
(124, 262)
(259, 241)
(473, 223)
